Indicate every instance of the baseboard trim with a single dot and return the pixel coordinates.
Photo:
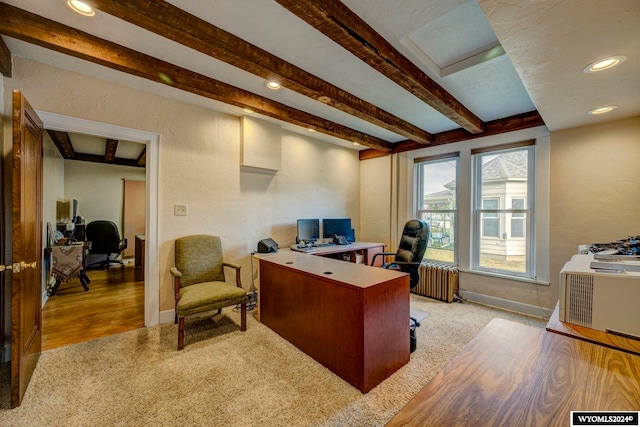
(518, 307)
(167, 316)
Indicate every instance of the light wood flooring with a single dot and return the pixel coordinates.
(114, 303)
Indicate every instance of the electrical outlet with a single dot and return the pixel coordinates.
(180, 210)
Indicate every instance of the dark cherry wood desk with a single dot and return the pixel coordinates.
(516, 375)
(351, 318)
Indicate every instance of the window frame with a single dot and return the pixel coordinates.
(528, 211)
(420, 163)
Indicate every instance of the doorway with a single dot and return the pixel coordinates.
(151, 274)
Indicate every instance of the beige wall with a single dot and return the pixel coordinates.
(52, 190)
(375, 200)
(595, 188)
(200, 166)
(99, 189)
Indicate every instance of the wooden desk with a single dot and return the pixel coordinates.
(140, 244)
(352, 318)
(516, 375)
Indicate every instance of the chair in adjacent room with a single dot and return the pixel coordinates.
(106, 244)
(413, 244)
(199, 281)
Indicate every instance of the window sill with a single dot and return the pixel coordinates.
(533, 281)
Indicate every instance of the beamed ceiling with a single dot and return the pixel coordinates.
(391, 76)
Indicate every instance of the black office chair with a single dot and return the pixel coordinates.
(105, 240)
(413, 244)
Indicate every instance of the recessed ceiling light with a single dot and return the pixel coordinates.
(81, 7)
(248, 110)
(603, 110)
(604, 64)
(355, 143)
(273, 85)
(311, 130)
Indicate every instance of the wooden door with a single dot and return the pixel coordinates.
(134, 212)
(26, 288)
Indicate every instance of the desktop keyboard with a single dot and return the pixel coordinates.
(323, 245)
(306, 249)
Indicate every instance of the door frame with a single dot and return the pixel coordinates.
(59, 122)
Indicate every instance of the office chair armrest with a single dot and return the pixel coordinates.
(237, 267)
(123, 244)
(405, 263)
(384, 254)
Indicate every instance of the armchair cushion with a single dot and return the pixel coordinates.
(206, 296)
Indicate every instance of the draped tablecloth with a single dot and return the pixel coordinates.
(67, 262)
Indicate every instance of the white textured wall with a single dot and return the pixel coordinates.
(99, 189)
(199, 166)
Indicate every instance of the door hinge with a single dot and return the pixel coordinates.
(17, 266)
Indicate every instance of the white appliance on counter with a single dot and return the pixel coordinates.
(606, 301)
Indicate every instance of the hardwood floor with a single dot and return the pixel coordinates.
(114, 303)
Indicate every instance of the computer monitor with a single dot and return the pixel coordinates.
(337, 226)
(308, 230)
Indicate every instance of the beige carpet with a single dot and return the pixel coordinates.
(225, 377)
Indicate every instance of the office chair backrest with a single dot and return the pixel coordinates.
(199, 259)
(413, 245)
(104, 237)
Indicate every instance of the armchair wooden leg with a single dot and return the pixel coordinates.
(243, 316)
(181, 333)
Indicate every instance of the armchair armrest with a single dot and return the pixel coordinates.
(373, 261)
(175, 272)
(237, 267)
(176, 282)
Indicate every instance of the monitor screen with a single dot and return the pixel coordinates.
(340, 226)
(308, 230)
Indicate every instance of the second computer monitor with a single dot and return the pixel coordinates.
(337, 226)
(308, 230)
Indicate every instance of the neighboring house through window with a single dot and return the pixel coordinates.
(503, 209)
(436, 204)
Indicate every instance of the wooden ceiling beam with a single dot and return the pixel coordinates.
(63, 143)
(5, 59)
(339, 23)
(173, 23)
(100, 159)
(110, 150)
(508, 124)
(142, 158)
(49, 34)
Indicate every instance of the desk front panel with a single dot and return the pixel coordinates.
(361, 333)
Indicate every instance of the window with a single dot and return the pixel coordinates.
(503, 210)
(436, 204)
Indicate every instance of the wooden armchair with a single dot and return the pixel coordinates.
(200, 283)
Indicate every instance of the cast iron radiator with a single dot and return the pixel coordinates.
(439, 281)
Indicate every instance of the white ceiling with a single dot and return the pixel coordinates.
(547, 44)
